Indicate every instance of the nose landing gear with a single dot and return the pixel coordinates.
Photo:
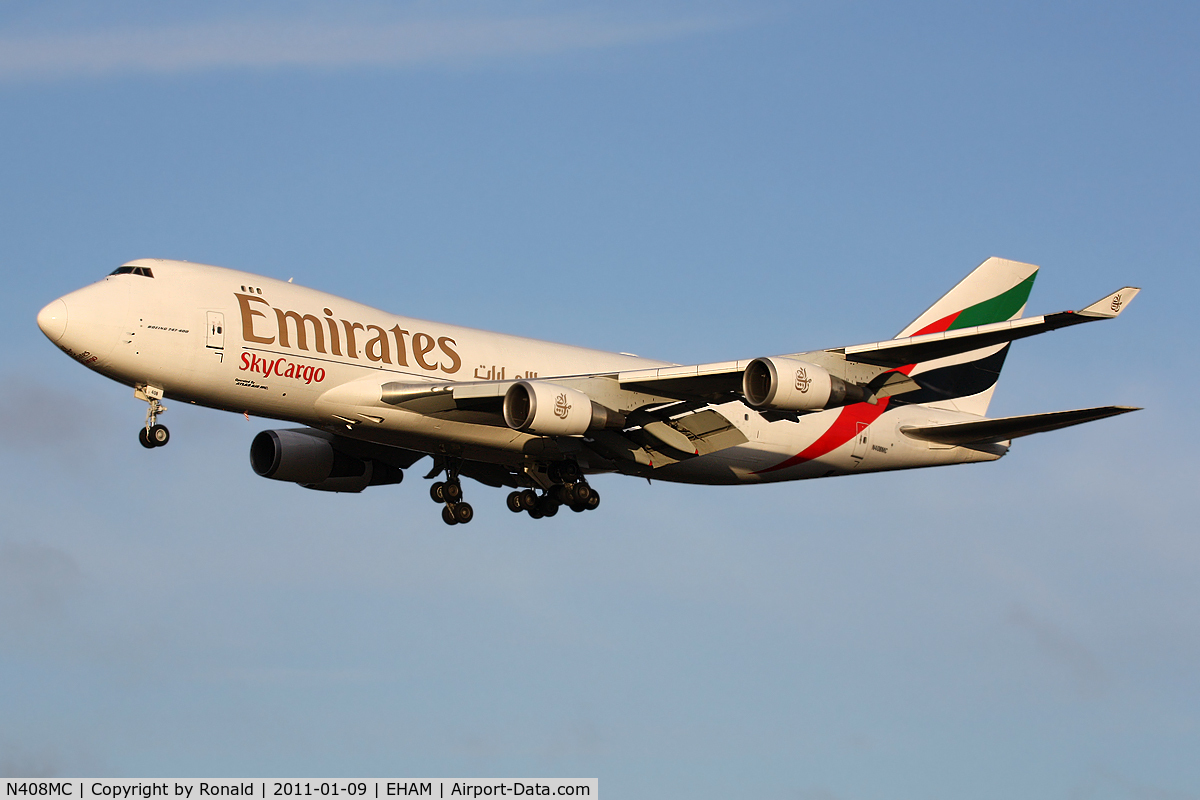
(152, 434)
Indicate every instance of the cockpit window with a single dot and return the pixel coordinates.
(143, 271)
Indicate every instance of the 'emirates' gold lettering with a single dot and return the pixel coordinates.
(299, 331)
(422, 344)
(351, 347)
(248, 315)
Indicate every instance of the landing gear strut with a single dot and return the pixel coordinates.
(152, 434)
(449, 492)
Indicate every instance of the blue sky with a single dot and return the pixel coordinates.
(692, 182)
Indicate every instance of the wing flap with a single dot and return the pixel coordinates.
(1005, 428)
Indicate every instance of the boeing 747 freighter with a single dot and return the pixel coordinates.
(374, 392)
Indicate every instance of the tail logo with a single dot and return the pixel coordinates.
(1116, 304)
(561, 406)
(802, 380)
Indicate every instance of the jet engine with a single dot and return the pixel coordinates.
(547, 409)
(309, 458)
(786, 384)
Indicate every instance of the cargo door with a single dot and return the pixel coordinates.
(862, 441)
(216, 330)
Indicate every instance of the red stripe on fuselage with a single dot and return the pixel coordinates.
(846, 426)
(841, 431)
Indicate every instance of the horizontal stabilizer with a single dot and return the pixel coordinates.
(1005, 428)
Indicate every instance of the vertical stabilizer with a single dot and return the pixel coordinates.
(996, 291)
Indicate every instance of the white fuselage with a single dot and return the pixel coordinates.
(244, 343)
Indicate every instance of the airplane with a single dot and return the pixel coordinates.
(376, 392)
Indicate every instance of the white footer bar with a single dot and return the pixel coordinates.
(307, 789)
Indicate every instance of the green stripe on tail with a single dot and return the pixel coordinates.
(1000, 308)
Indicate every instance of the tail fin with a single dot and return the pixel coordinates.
(996, 291)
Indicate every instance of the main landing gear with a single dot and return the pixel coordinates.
(449, 492)
(568, 488)
(555, 485)
(152, 434)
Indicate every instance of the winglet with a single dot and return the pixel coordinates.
(1112, 305)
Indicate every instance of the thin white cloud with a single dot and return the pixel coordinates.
(240, 44)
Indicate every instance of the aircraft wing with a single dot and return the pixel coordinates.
(664, 413)
(722, 381)
(915, 349)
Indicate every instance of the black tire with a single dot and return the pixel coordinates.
(529, 499)
(514, 502)
(580, 493)
(448, 516)
(577, 508)
(593, 501)
(144, 438)
(463, 513)
(535, 513)
(453, 491)
(547, 506)
(436, 492)
(159, 435)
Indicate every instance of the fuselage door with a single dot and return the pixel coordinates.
(216, 330)
(862, 438)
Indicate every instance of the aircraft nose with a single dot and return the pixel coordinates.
(53, 320)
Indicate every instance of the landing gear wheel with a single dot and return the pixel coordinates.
(514, 502)
(580, 493)
(158, 435)
(535, 513)
(448, 516)
(452, 490)
(144, 438)
(437, 492)
(593, 501)
(577, 508)
(463, 513)
(529, 500)
(547, 506)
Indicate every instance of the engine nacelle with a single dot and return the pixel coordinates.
(310, 459)
(547, 409)
(786, 384)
